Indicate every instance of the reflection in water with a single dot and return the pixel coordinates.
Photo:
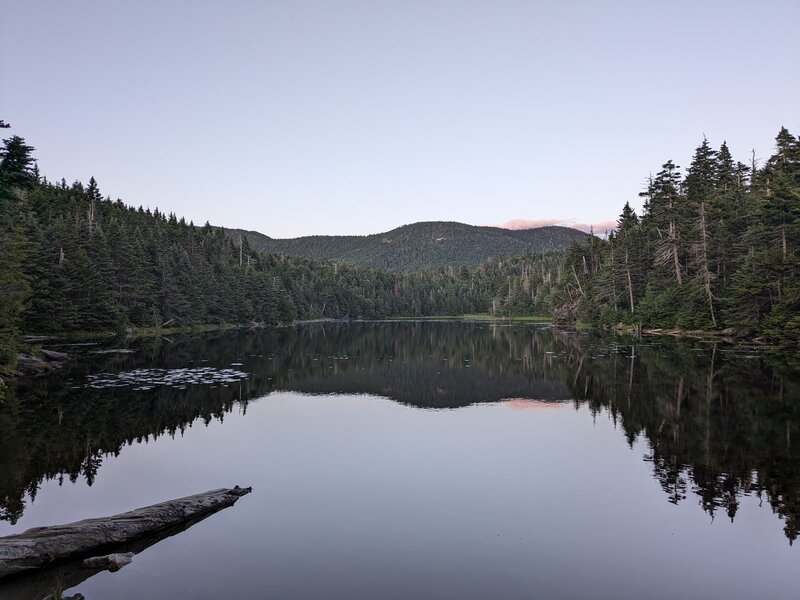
(527, 403)
(720, 422)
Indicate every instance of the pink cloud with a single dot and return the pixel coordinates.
(530, 223)
(599, 228)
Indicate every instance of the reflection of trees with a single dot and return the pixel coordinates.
(54, 428)
(47, 432)
(719, 424)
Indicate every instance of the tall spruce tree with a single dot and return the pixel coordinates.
(16, 164)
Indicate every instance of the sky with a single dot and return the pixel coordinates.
(301, 117)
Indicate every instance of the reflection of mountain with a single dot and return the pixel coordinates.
(720, 425)
(425, 386)
(429, 365)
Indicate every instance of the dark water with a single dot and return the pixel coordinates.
(435, 460)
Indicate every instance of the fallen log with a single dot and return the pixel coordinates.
(40, 583)
(43, 547)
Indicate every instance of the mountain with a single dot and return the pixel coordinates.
(419, 245)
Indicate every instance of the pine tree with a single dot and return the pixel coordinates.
(663, 202)
(700, 192)
(726, 169)
(628, 248)
(16, 164)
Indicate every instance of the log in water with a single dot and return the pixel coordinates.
(42, 547)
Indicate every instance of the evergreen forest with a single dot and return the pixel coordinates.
(716, 248)
(76, 261)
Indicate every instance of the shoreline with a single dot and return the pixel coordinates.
(728, 335)
(35, 343)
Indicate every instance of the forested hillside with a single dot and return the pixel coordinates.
(421, 245)
(73, 260)
(718, 247)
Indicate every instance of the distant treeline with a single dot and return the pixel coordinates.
(716, 248)
(421, 246)
(73, 260)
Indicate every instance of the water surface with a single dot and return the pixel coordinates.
(429, 459)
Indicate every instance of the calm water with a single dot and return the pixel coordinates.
(411, 460)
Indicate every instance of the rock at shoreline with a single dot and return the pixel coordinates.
(46, 361)
(54, 356)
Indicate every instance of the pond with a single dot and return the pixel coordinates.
(421, 459)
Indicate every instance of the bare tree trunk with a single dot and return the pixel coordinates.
(91, 215)
(783, 241)
(704, 262)
(578, 281)
(613, 279)
(674, 243)
(630, 283)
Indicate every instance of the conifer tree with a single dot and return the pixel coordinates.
(16, 164)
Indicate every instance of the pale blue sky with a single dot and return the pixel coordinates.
(299, 117)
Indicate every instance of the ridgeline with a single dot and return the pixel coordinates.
(420, 246)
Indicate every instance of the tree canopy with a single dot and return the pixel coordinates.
(718, 248)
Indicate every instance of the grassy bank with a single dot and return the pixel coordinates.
(476, 317)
